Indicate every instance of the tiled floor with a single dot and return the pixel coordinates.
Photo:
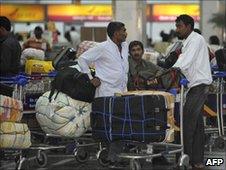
(58, 161)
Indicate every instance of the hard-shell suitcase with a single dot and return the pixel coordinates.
(140, 116)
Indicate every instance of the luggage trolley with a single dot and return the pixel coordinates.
(21, 83)
(65, 57)
(37, 85)
(140, 150)
(17, 83)
(80, 144)
(183, 161)
(218, 140)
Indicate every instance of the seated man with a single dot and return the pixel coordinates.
(139, 69)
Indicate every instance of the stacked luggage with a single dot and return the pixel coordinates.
(142, 116)
(65, 110)
(39, 74)
(13, 134)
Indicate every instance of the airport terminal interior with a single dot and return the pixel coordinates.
(102, 84)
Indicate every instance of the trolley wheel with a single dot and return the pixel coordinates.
(134, 164)
(41, 159)
(102, 157)
(183, 167)
(17, 159)
(183, 162)
(219, 143)
(21, 163)
(81, 155)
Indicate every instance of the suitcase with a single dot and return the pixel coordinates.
(14, 135)
(136, 115)
(38, 66)
(10, 109)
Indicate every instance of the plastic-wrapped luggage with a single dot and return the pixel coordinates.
(136, 115)
(31, 53)
(63, 116)
(14, 135)
(38, 66)
(10, 109)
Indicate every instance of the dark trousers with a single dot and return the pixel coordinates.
(193, 127)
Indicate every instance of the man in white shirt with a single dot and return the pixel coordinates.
(111, 62)
(194, 63)
(110, 59)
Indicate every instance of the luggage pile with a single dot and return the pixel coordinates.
(142, 116)
(65, 110)
(13, 134)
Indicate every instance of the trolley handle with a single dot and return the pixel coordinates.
(214, 68)
(184, 82)
(40, 76)
(219, 74)
(19, 80)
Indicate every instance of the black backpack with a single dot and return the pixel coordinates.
(63, 57)
(170, 59)
(75, 84)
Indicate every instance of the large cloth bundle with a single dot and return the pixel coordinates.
(14, 135)
(137, 115)
(84, 46)
(10, 109)
(31, 53)
(63, 116)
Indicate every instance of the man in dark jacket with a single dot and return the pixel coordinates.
(139, 69)
(10, 49)
(142, 73)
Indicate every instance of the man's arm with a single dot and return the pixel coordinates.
(89, 57)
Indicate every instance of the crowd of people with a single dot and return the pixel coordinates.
(119, 67)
